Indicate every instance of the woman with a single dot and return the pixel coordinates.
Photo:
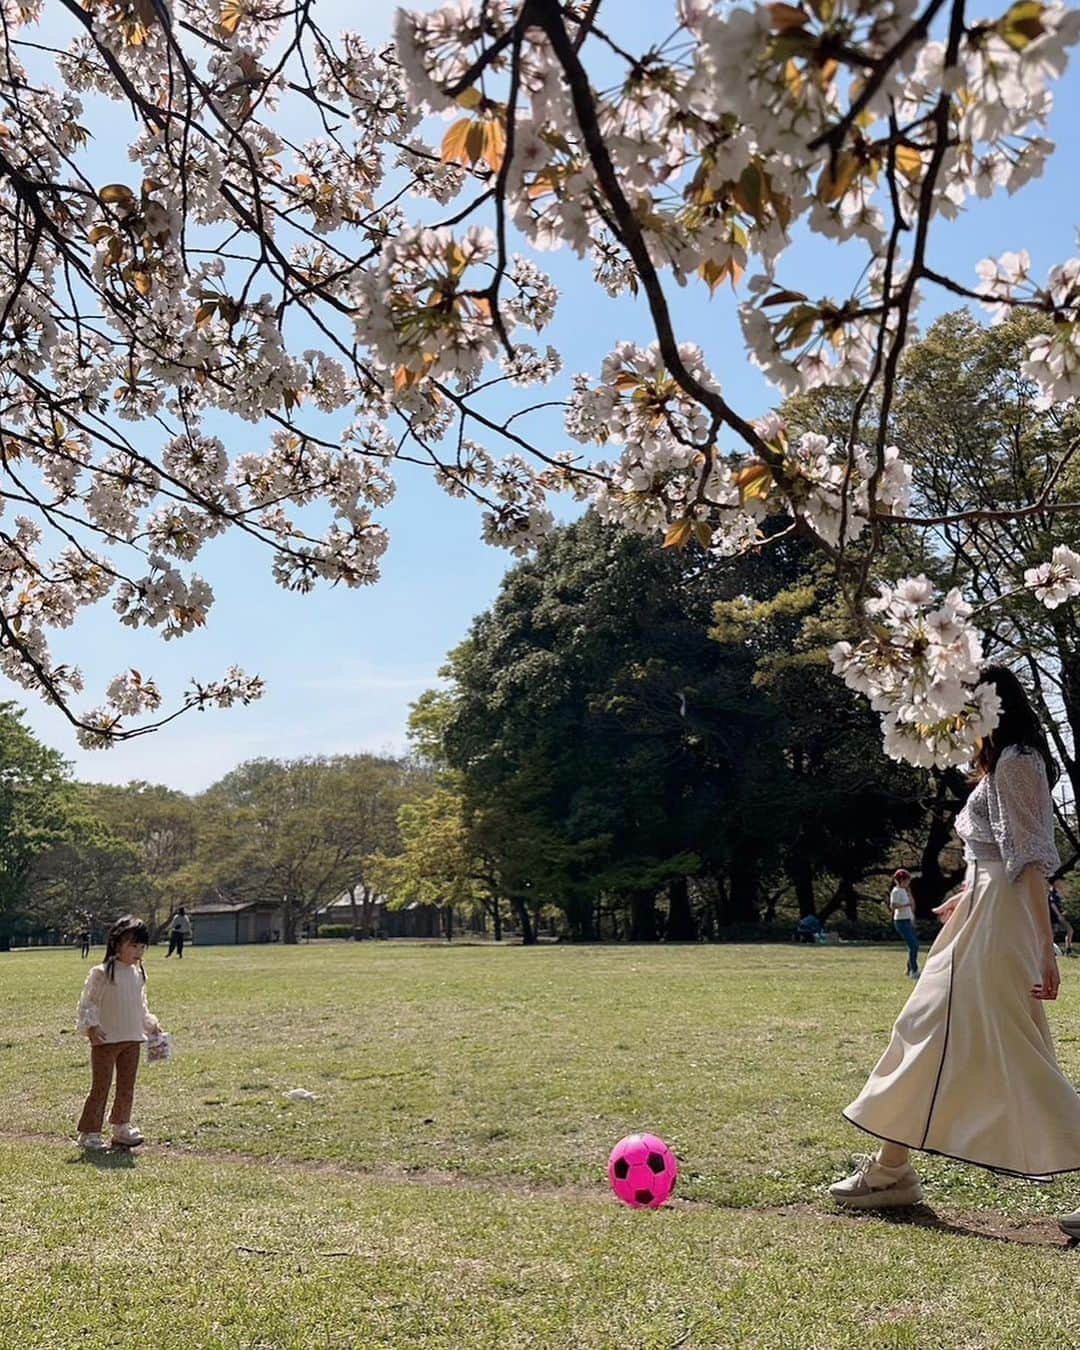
(903, 913)
(970, 1071)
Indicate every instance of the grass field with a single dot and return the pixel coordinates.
(447, 1187)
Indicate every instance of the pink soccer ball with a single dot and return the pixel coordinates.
(642, 1171)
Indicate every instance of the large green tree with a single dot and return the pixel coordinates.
(39, 809)
(635, 731)
(161, 827)
(88, 882)
(602, 739)
(301, 831)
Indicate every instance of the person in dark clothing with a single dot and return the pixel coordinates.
(179, 933)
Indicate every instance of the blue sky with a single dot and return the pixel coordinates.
(342, 666)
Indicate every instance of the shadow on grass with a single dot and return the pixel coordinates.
(106, 1160)
(1024, 1233)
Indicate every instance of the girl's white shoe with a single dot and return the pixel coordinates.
(93, 1141)
(127, 1136)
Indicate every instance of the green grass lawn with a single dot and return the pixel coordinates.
(447, 1187)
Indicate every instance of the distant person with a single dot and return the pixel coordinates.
(808, 928)
(179, 933)
(1058, 919)
(84, 943)
(114, 1015)
(903, 917)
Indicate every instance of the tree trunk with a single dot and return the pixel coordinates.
(933, 883)
(851, 901)
(528, 933)
(742, 906)
(802, 878)
(680, 926)
(355, 912)
(496, 917)
(288, 921)
(581, 916)
(708, 916)
(770, 905)
(367, 908)
(643, 916)
(448, 915)
(719, 908)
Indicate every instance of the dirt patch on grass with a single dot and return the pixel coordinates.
(1024, 1230)
(1033, 1230)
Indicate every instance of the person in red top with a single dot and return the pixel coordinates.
(903, 914)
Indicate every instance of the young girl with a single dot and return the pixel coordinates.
(903, 913)
(114, 1014)
(970, 1071)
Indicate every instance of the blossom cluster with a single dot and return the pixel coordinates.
(919, 667)
(1056, 581)
(1053, 355)
(670, 472)
(920, 659)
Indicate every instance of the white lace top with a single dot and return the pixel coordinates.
(117, 1006)
(1009, 817)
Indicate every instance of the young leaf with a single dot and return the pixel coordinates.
(678, 534)
(909, 162)
(231, 14)
(837, 178)
(455, 141)
(494, 144)
(1022, 24)
(782, 298)
(787, 18)
(703, 533)
(754, 481)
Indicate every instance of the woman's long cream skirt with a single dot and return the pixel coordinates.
(971, 1071)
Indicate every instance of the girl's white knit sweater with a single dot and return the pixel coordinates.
(117, 1006)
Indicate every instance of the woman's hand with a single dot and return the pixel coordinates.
(95, 1036)
(1047, 988)
(948, 907)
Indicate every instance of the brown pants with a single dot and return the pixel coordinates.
(123, 1056)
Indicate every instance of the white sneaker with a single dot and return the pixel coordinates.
(93, 1141)
(873, 1186)
(127, 1136)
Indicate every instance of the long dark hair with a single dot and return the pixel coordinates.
(1019, 724)
(127, 927)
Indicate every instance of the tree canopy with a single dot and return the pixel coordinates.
(612, 753)
(39, 810)
(289, 239)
